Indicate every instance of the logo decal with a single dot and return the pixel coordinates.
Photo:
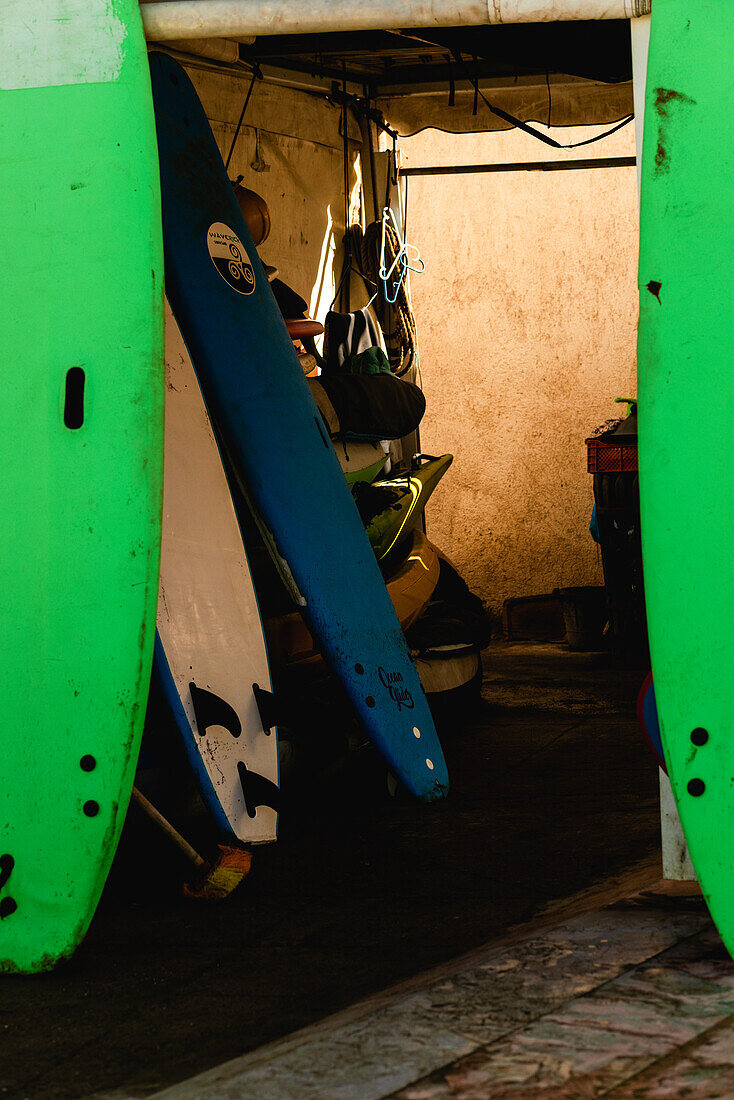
(230, 258)
(399, 695)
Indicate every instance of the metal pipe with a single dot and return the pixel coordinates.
(521, 166)
(178, 19)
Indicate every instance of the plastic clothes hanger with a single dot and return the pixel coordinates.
(408, 258)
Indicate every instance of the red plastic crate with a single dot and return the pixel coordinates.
(610, 458)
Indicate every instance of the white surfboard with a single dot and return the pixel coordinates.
(210, 651)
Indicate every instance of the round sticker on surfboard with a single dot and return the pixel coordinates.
(230, 258)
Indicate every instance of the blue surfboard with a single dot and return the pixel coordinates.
(647, 716)
(270, 429)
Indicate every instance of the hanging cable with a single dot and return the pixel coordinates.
(607, 133)
(371, 150)
(352, 239)
(256, 75)
(344, 287)
(507, 117)
(388, 178)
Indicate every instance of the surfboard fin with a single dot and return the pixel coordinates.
(258, 790)
(273, 710)
(212, 710)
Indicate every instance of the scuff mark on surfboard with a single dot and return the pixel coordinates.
(664, 97)
(70, 42)
(655, 287)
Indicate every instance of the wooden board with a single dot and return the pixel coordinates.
(82, 337)
(686, 411)
(212, 649)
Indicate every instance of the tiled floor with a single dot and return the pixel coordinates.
(635, 1000)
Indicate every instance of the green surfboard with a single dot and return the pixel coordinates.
(686, 412)
(82, 446)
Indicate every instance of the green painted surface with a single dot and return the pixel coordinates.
(686, 413)
(81, 286)
(369, 473)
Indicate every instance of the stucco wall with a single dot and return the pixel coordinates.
(526, 318)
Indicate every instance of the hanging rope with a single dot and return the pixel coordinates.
(396, 319)
(362, 257)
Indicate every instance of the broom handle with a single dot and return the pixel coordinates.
(156, 816)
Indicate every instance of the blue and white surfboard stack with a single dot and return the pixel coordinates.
(270, 431)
